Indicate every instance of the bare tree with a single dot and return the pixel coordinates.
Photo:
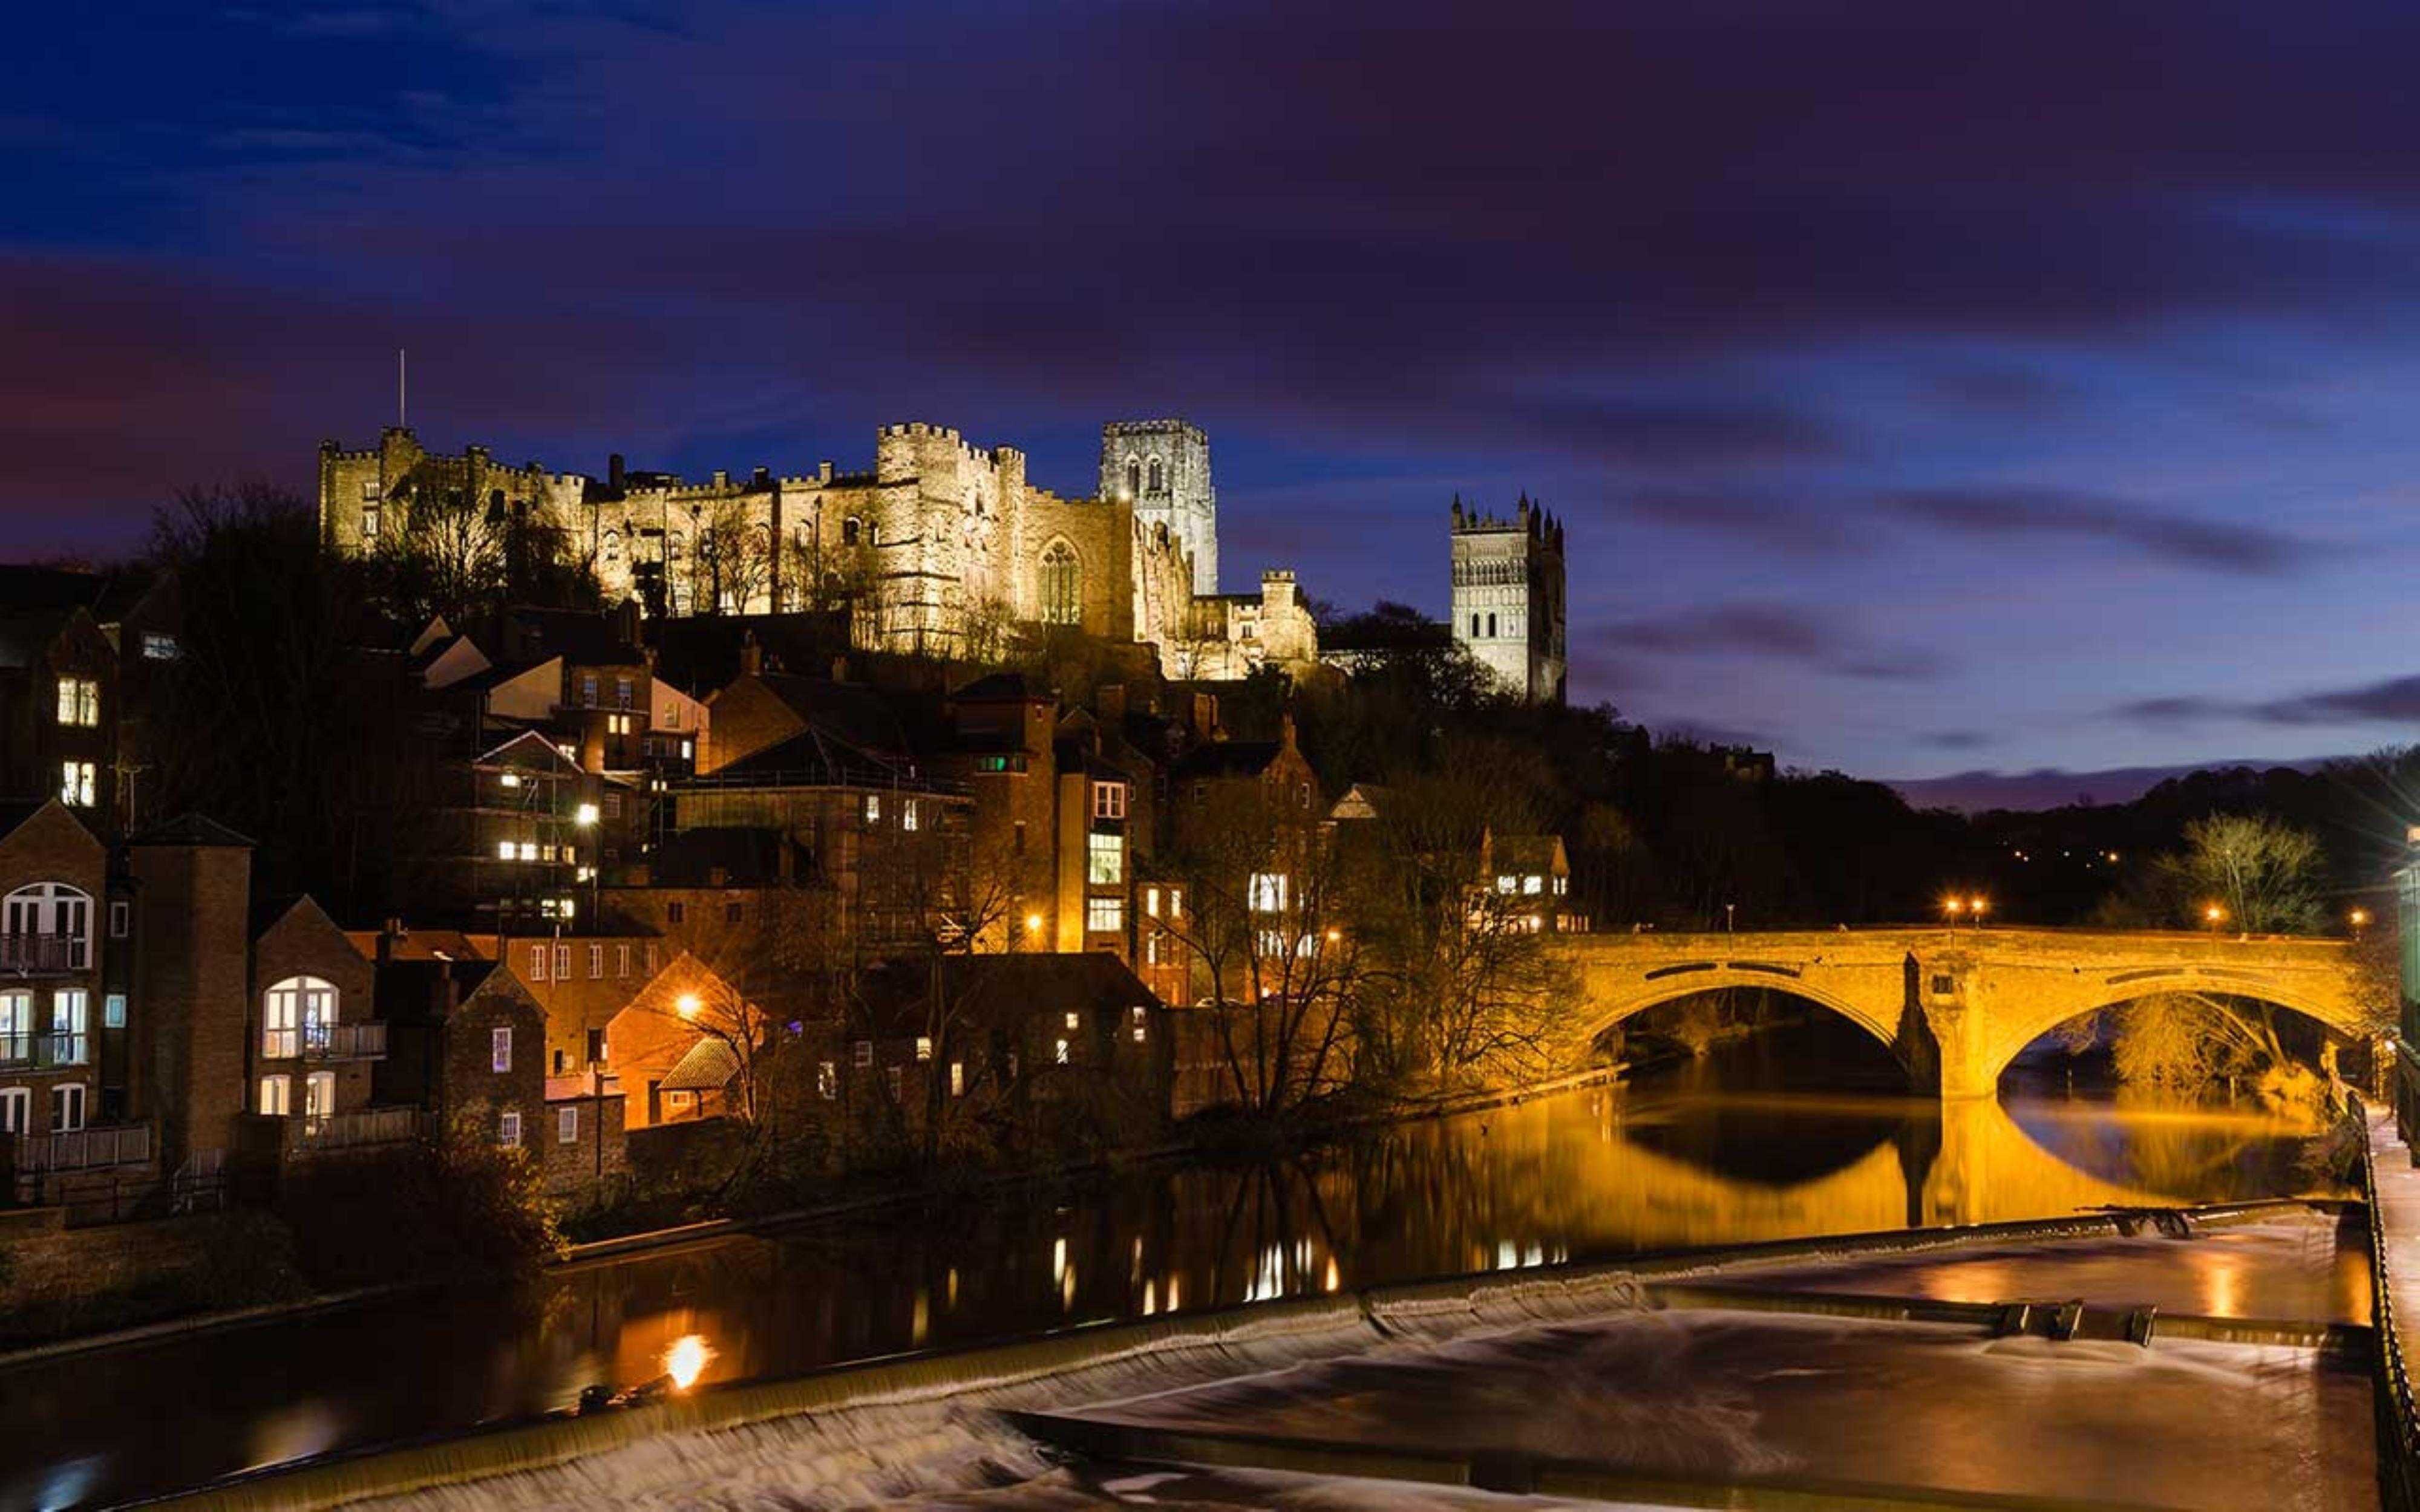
(735, 558)
(1265, 925)
(2264, 876)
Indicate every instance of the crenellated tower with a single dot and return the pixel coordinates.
(1508, 597)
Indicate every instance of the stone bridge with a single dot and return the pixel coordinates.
(1955, 1006)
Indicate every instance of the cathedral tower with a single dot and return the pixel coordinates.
(1507, 597)
(1164, 467)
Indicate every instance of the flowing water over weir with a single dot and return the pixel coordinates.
(1565, 1360)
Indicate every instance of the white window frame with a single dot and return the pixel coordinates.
(16, 1109)
(76, 780)
(499, 1049)
(1105, 861)
(596, 962)
(567, 1124)
(296, 1015)
(1105, 915)
(71, 1027)
(69, 1106)
(275, 1095)
(508, 1129)
(1109, 800)
(320, 1095)
(537, 962)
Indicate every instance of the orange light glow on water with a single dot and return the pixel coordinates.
(687, 1360)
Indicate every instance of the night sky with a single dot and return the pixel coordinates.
(1927, 393)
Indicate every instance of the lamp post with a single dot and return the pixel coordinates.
(1975, 908)
(2214, 916)
(2359, 918)
(1951, 907)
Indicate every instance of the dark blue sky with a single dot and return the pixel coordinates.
(1931, 388)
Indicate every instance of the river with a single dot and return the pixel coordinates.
(1719, 1150)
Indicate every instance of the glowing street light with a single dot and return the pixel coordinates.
(2214, 915)
(687, 1005)
(586, 815)
(1977, 907)
(2360, 920)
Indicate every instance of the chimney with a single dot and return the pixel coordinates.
(752, 656)
(761, 479)
(1205, 717)
(839, 669)
(393, 934)
(1285, 732)
(614, 472)
(1109, 703)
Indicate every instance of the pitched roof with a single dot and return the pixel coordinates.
(582, 638)
(1526, 853)
(1004, 988)
(745, 857)
(1227, 758)
(845, 713)
(190, 830)
(708, 1066)
(1001, 687)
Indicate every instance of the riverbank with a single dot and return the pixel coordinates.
(1161, 1394)
(122, 1286)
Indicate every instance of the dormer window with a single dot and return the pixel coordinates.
(79, 701)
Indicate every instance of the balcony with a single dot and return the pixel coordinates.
(43, 955)
(325, 1041)
(46, 1052)
(82, 1149)
(352, 1131)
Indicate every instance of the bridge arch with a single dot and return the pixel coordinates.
(1670, 984)
(2011, 1030)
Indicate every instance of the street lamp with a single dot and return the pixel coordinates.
(687, 1005)
(585, 818)
(1951, 907)
(2214, 915)
(2360, 920)
(1975, 907)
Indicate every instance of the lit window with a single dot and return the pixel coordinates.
(957, 1078)
(499, 1049)
(826, 1080)
(1105, 863)
(923, 1047)
(79, 701)
(1062, 1053)
(276, 1096)
(1177, 903)
(1109, 800)
(508, 1129)
(113, 1011)
(873, 808)
(1533, 885)
(1508, 884)
(158, 645)
(1074, 1020)
(908, 813)
(566, 1126)
(503, 850)
(510, 779)
(1151, 901)
(75, 784)
(1063, 585)
(1104, 916)
(1269, 892)
(860, 1053)
(529, 850)
(685, 749)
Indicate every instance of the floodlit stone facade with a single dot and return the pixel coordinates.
(1507, 597)
(1163, 467)
(938, 547)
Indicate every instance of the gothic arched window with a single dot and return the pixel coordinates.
(1158, 476)
(1134, 476)
(614, 548)
(849, 531)
(1491, 626)
(1063, 585)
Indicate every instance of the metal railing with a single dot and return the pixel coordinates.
(352, 1130)
(44, 952)
(2398, 1416)
(58, 1047)
(82, 1149)
(325, 1041)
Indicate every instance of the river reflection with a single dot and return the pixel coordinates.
(1588, 1174)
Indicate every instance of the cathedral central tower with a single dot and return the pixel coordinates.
(1163, 466)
